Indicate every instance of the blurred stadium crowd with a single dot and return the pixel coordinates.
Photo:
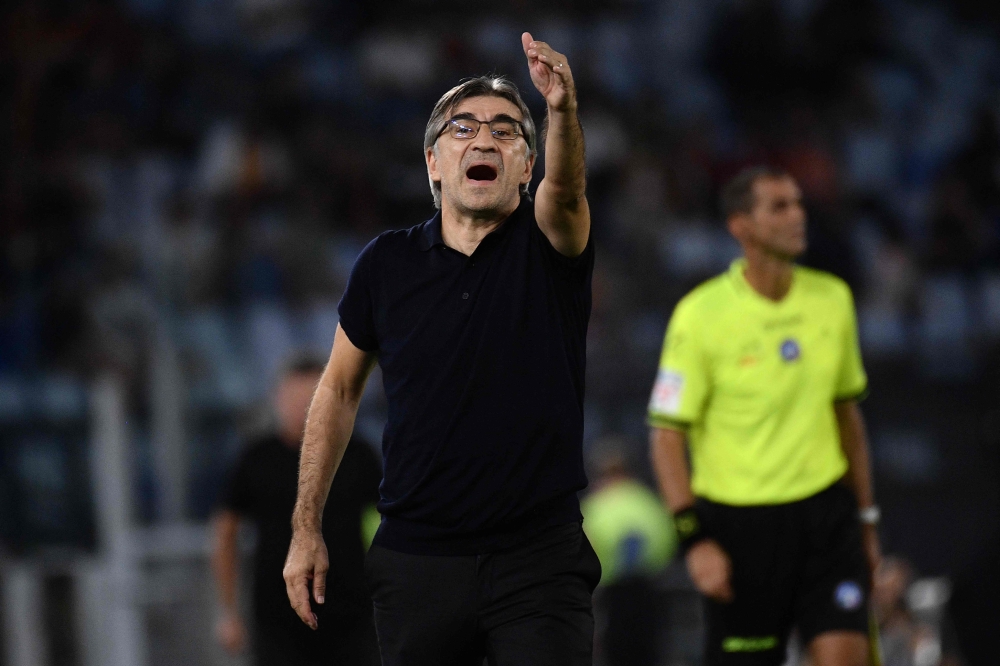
(191, 181)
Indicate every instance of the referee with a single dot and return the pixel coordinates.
(760, 376)
(478, 320)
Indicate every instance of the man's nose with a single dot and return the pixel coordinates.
(484, 140)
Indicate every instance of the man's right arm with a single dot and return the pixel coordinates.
(328, 429)
(708, 564)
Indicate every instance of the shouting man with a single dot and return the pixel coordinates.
(478, 320)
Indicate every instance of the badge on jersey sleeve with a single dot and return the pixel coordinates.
(790, 350)
(667, 393)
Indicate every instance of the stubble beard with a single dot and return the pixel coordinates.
(482, 204)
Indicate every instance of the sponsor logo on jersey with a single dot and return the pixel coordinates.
(667, 392)
(848, 596)
(749, 643)
(790, 350)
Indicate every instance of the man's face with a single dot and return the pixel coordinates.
(291, 402)
(777, 222)
(483, 174)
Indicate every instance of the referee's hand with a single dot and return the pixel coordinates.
(711, 570)
(307, 562)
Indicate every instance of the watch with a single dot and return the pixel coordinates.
(870, 515)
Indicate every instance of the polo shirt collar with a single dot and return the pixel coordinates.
(430, 234)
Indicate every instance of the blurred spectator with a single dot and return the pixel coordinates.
(913, 628)
(262, 491)
(634, 538)
(897, 628)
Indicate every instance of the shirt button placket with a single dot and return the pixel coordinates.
(470, 264)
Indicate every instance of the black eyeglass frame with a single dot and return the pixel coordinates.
(503, 118)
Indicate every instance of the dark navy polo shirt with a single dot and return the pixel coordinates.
(483, 361)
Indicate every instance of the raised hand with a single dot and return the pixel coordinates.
(550, 73)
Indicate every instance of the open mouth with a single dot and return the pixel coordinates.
(481, 172)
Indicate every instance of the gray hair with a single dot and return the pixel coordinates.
(480, 86)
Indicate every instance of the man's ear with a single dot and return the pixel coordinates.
(529, 165)
(430, 156)
(737, 225)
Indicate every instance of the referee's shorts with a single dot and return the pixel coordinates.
(798, 565)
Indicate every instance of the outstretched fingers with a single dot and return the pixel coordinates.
(526, 40)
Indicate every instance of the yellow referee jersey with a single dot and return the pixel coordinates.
(752, 382)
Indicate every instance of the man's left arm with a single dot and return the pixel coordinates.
(561, 208)
(854, 441)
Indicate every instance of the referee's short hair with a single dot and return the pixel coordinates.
(737, 195)
(479, 86)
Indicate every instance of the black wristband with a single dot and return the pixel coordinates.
(689, 528)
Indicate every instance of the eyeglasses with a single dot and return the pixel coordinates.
(504, 129)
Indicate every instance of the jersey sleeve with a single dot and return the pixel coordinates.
(356, 308)
(852, 381)
(682, 379)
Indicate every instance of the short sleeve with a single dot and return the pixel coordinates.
(356, 308)
(852, 381)
(579, 267)
(682, 379)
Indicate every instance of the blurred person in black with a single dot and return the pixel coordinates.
(478, 320)
(911, 634)
(897, 629)
(261, 490)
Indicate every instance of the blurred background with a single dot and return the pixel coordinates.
(184, 186)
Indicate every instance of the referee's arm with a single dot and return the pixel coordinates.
(668, 451)
(854, 442)
(708, 565)
(328, 429)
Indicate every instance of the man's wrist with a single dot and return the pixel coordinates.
(568, 110)
(870, 515)
(690, 528)
(307, 525)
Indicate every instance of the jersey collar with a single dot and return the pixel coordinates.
(744, 290)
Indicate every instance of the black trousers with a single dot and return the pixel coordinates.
(342, 640)
(632, 614)
(529, 605)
